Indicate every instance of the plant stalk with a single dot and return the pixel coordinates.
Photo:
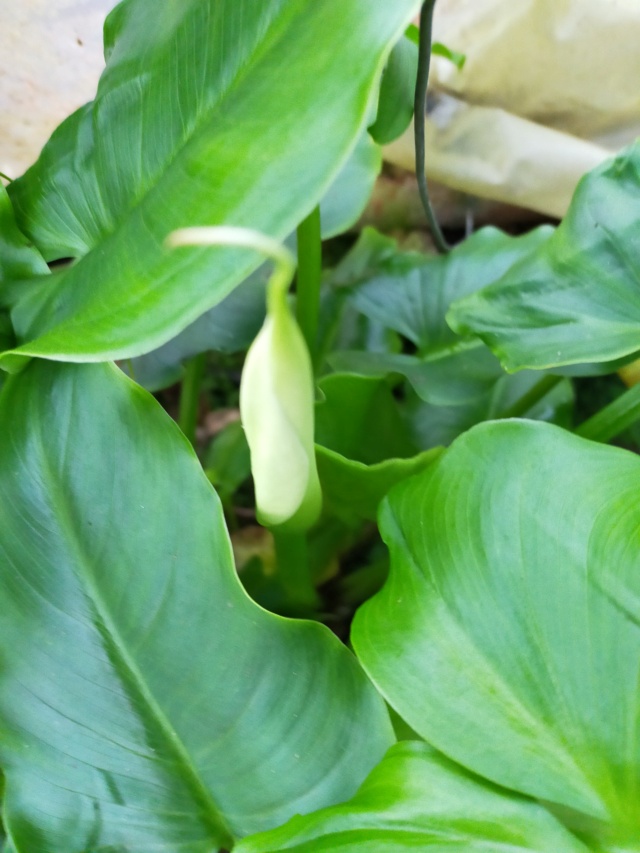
(294, 573)
(614, 418)
(308, 280)
(533, 396)
(419, 112)
(190, 396)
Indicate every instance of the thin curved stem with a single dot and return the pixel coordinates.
(420, 106)
(245, 238)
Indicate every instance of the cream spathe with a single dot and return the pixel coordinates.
(276, 392)
(277, 410)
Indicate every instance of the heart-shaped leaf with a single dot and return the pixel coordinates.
(215, 111)
(145, 702)
(511, 618)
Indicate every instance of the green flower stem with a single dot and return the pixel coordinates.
(533, 396)
(190, 396)
(614, 418)
(293, 570)
(308, 282)
(290, 542)
(420, 108)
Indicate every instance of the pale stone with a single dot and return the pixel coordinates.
(50, 62)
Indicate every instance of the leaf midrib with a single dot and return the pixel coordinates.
(553, 739)
(213, 814)
(271, 37)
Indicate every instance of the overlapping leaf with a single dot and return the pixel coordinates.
(363, 446)
(145, 702)
(21, 268)
(577, 298)
(231, 325)
(19, 259)
(511, 618)
(228, 327)
(247, 125)
(417, 799)
(411, 294)
(458, 378)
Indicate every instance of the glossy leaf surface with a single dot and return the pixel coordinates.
(511, 618)
(576, 298)
(146, 704)
(417, 799)
(249, 127)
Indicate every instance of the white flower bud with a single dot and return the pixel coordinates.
(276, 392)
(277, 410)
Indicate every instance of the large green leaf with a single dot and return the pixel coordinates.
(417, 799)
(511, 618)
(146, 704)
(577, 298)
(214, 111)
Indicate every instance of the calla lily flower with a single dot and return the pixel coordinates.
(276, 407)
(276, 393)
